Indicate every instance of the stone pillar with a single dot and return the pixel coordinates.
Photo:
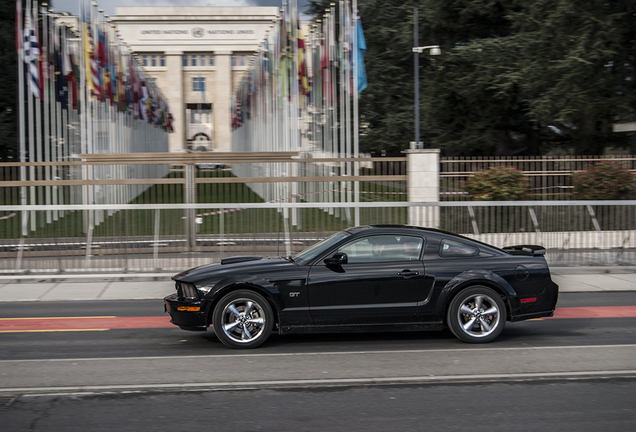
(222, 98)
(174, 92)
(423, 186)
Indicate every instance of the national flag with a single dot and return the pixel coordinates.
(97, 66)
(32, 53)
(358, 55)
(303, 78)
(142, 102)
(61, 84)
(90, 68)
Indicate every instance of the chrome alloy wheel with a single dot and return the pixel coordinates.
(478, 315)
(243, 320)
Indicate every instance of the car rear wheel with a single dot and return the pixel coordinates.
(242, 319)
(477, 315)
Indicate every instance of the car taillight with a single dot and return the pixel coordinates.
(187, 290)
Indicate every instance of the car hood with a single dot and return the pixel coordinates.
(234, 265)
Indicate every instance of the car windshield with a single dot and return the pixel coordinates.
(316, 249)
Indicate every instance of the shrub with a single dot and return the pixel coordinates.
(603, 181)
(502, 183)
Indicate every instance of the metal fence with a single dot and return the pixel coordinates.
(157, 237)
(550, 177)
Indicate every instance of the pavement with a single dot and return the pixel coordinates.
(148, 286)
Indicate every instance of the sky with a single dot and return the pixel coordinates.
(109, 5)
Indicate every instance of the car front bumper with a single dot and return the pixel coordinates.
(187, 314)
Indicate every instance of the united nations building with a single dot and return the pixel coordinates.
(196, 55)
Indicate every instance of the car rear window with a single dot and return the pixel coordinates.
(451, 248)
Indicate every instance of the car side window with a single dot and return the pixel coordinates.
(382, 248)
(450, 249)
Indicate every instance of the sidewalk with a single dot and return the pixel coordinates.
(159, 285)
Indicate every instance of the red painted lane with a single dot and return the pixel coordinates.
(596, 312)
(10, 325)
(81, 323)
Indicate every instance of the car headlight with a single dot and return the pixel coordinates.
(187, 290)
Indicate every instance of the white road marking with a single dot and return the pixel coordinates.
(326, 353)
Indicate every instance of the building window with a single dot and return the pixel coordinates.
(153, 60)
(185, 60)
(242, 60)
(144, 60)
(198, 84)
(211, 60)
(233, 60)
(162, 60)
(193, 60)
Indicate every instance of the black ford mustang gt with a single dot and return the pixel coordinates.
(370, 278)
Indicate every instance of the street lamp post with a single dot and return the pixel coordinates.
(417, 50)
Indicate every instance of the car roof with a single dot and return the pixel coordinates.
(388, 227)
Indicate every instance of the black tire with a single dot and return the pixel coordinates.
(242, 319)
(477, 314)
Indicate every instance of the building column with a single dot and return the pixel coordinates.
(222, 98)
(175, 93)
(422, 169)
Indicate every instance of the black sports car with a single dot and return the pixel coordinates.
(369, 278)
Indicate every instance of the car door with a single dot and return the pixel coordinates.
(380, 283)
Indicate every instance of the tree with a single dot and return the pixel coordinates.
(8, 84)
(9, 106)
(516, 77)
(559, 74)
(386, 106)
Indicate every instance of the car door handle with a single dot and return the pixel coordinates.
(408, 273)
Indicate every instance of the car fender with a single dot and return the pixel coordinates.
(475, 277)
(257, 283)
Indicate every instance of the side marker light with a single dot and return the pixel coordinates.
(528, 300)
(188, 308)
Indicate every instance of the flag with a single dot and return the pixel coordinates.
(284, 66)
(32, 53)
(89, 58)
(144, 97)
(97, 65)
(61, 85)
(303, 78)
(358, 53)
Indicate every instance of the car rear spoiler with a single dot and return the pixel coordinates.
(533, 250)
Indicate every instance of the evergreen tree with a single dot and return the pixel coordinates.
(8, 84)
(516, 77)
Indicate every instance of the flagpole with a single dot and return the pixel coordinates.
(56, 107)
(356, 131)
(347, 85)
(20, 45)
(333, 89)
(46, 142)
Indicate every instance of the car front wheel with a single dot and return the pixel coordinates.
(242, 319)
(477, 315)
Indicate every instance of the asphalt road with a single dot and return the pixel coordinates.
(551, 374)
(597, 405)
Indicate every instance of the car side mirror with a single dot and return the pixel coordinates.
(337, 259)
